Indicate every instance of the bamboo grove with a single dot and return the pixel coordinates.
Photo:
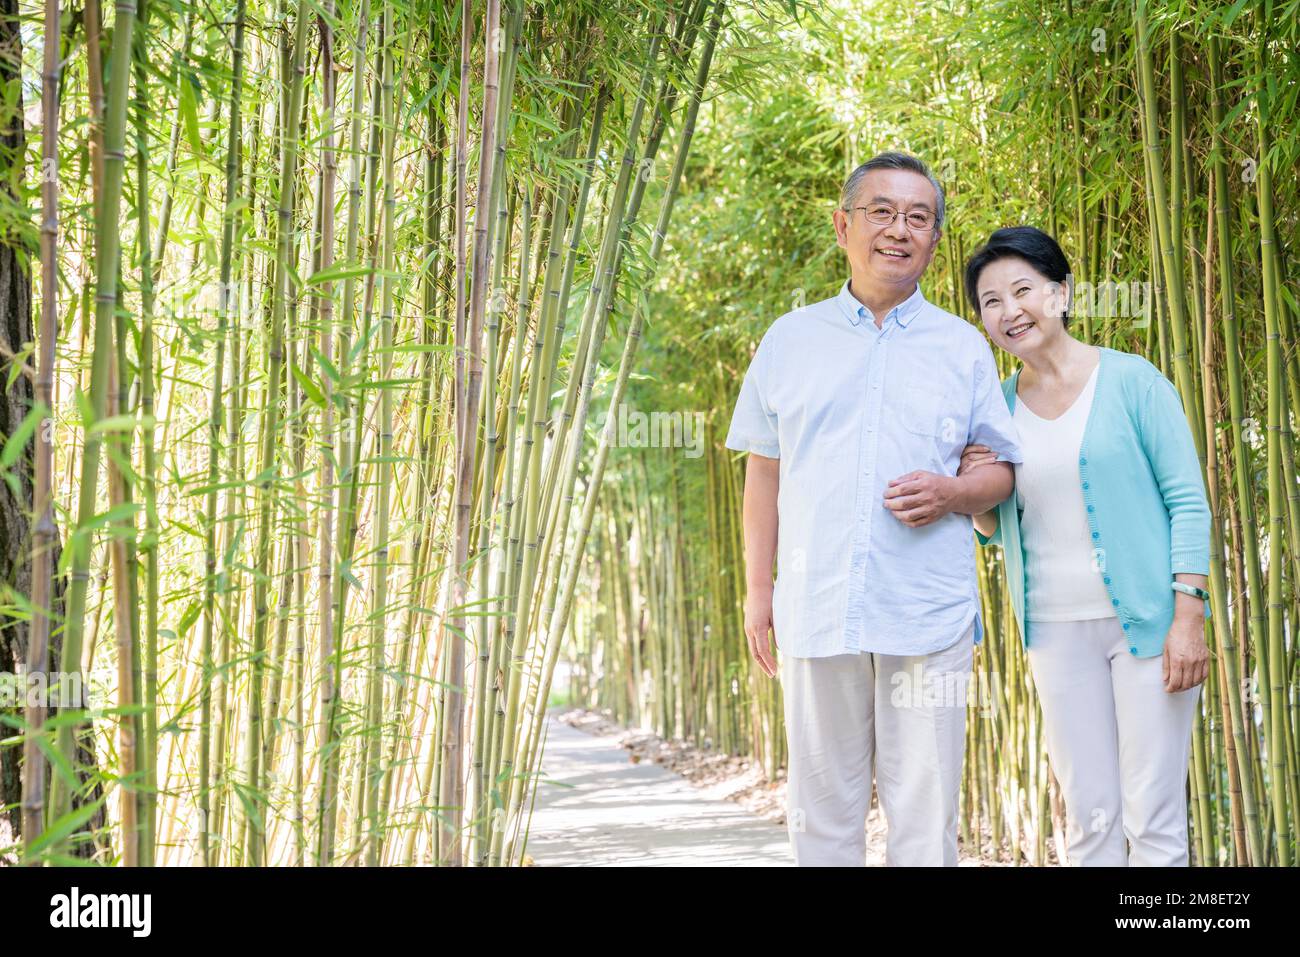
(320, 297)
(1158, 141)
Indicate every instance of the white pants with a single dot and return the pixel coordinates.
(904, 715)
(1118, 743)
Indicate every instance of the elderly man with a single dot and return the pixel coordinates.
(855, 411)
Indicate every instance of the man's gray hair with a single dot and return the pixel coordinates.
(890, 160)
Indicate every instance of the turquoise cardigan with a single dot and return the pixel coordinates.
(1145, 497)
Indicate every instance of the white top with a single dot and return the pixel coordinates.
(1063, 579)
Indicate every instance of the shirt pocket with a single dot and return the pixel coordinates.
(922, 408)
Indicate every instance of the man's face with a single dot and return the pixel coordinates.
(896, 254)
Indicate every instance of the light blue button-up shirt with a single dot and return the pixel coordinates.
(847, 407)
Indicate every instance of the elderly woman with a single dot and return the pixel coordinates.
(1106, 542)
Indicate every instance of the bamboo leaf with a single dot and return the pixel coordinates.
(122, 423)
(314, 394)
(335, 273)
(189, 108)
(17, 442)
(61, 829)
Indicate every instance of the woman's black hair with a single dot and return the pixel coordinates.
(1023, 242)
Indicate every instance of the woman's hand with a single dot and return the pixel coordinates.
(974, 456)
(1187, 658)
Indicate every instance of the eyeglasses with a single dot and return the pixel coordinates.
(881, 214)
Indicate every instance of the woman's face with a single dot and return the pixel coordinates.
(1020, 307)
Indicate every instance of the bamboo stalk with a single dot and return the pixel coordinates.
(253, 770)
(1249, 553)
(453, 784)
(1275, 730)
(107, 250)
(44, 532)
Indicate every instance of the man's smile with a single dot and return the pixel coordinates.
(893, 252)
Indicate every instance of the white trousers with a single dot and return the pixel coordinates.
(903, 715)
(1118, 742)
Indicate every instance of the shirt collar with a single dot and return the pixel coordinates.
(856, 312)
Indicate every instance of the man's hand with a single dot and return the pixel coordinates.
(760, 519)
(919, 498)
(758, 623)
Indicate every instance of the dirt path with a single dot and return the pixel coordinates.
(597, 808)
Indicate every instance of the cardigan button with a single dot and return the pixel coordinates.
(1091, 509)
(1106, 580)
(1114, 601)
(1083, 461)
(1126, 626)
(1085, 486)
(1096, 535)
